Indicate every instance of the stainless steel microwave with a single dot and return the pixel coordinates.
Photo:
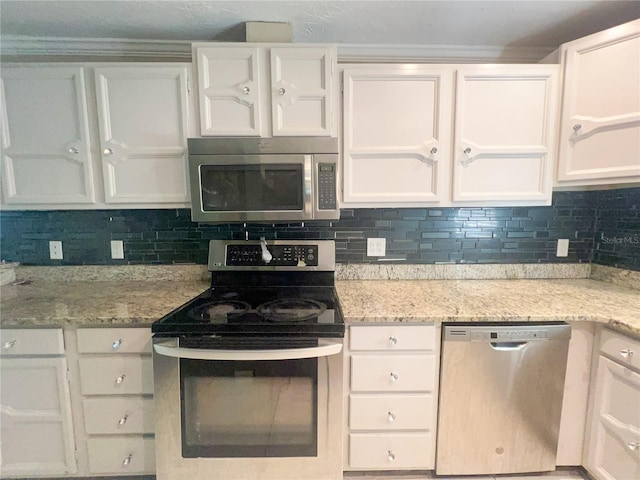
(263, 179)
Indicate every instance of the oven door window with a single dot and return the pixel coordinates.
(249, 409)
(252, 187)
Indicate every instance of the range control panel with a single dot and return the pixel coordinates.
(282, 256)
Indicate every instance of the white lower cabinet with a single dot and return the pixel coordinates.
(613, 436)
(116, 388)
(36, 431)
(391, 397)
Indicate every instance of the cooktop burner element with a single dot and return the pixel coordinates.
(291, 310)
(279, 292)
(219, 311)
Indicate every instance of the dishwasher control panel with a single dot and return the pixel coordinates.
(508, 335)
(503, 334)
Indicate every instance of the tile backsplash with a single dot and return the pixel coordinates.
(602, 226)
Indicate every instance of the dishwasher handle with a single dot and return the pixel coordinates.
(508, 346)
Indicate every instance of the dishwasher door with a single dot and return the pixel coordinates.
(501, 392)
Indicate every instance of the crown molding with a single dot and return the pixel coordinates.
(42, 47)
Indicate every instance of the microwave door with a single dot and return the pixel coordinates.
(252, 187)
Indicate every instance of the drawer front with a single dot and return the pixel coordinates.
(114, 340)
(122, 455)
(390, 412)
(622, 349)
(392, 337)
(27, 341)
(392, 373)
(116, 375)
(390, 451)
(118, 415)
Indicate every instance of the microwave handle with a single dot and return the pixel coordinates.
(278, 354)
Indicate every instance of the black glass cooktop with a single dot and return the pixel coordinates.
(258, 310)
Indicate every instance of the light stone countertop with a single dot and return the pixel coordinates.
(75, 303)
(491, 300)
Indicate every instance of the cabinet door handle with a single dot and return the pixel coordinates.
(626, 353)
(73, 150)
(282, 91)
(127, 460)
(391, 456)
(391, 416)
(633, 445)
(393, 340)
(116, 344)
(108, 151)
(246, 90)
(393, 377)
(123, 420)
(120, 379)
(577, 127)
(9, 344)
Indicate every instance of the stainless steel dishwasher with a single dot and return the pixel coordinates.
(501, 392)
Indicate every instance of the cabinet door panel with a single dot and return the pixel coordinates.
(143, 115)
(46, 157)
(301, 86)
(36, 430)
(504, 134)
(600, 126)
(396, 134)
(229, 87)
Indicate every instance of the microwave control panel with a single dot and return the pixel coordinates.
(282, 256)
(327, 196)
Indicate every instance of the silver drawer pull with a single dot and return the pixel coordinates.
(633, 445)
(116, 344)
(391, 416)
(123, 420)
(246, 90)
(393, 340)
(127, 460)
(9, 344)
(391, 456)
(626, 353)
(393, 377)
(120, 379)
(577, 127)
(73, 150)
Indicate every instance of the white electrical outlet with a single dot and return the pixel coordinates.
(376, 247)
(563, 247)
(55, 250)
(117, 249)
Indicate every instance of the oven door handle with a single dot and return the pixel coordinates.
(323, 350)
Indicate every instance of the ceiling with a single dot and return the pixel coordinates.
(514, 23)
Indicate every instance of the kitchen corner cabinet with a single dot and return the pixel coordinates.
(391, 397)
(399, 149)
(613, 436)
(600, 126)
(397, 123)
(265, 90)
(36, 431)
(94, 135)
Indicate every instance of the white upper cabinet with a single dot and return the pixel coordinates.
(263, 91)
(142, 113)
(57, 155)
(407, 143)
(600, 125)
(504, 134)
(46, 155)
(396, 144)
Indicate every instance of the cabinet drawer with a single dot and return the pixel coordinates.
(27, 341)
(392, 373)
(390, 412)
(622, 349)
(116, 375)
(114, 340)
(390, 451)
(118, 415)
(392, 337)
(123, 455)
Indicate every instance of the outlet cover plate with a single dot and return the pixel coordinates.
(376, 247)
(55, 250)
(563, 247)
(117, 249)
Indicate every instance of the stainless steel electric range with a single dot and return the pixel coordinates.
(248, 375)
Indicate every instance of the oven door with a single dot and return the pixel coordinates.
(226, 188)
(248, 413)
